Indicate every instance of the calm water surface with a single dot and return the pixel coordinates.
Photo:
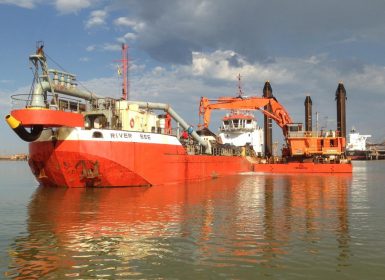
(239, 227)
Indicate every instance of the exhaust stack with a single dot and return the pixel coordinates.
(267, 122)
(308, 114)
(341, 109)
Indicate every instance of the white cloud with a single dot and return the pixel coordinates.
(114, 47)
(371, 79)
(127, 37)
(124, 21)
(71, 6)
(6, 81)
(96, 19)
(226, 65)
(135, 25)
(91, 48)
(111, 47)
(62, 6)
(28, 4)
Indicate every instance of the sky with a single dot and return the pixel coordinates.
(182, 50)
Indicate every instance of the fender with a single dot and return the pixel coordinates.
(20, 130)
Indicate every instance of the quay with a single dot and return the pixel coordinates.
(14, 157)
(376, 151)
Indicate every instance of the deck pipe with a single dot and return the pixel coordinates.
(20, 130)
(64, 87)
(267, 122)
(341, 109)
(167, 108)
(308, 114)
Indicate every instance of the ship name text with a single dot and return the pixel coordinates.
(127, 135)
(121, 135)
(145, 136)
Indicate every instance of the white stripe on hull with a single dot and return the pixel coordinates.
(107, 135)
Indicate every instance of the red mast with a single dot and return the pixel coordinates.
(124, 60)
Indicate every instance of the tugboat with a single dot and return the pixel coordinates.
(240, 128)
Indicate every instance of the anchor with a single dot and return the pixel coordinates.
(90, 172)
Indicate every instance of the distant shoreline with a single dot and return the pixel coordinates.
(14, 157)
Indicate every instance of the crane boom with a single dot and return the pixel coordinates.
(278, 112)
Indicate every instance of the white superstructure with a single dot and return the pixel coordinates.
(240, 129)
(357, 142)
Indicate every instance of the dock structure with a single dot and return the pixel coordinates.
(14, 157)
(376, 151)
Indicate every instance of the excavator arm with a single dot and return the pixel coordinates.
(299, 144)
(278, 112)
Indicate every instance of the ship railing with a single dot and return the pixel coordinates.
(322, 133)
(175, 131)
(302, 134)
(52, 101)
(232, 128)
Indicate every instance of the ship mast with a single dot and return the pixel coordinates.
(240, 92)
(125, 85)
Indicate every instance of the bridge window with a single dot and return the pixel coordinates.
(235, 122)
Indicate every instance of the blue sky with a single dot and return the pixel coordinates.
(181, 50)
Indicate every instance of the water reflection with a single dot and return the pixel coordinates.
(228, 226)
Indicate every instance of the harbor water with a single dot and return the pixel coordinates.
(249, 226)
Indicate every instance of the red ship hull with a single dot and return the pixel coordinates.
(79, 163)
(72, 163)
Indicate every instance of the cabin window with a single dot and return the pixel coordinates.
(97, 134)
(96, 121)
(87, 123)
(226, 122)
(332, 143)
(236, 123)
(248, 121)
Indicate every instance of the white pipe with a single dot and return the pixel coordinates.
(38, 96)
(174, 115)
(75, 92)
(43, 86)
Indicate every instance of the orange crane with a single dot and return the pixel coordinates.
(300, 144)
(279, 113)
